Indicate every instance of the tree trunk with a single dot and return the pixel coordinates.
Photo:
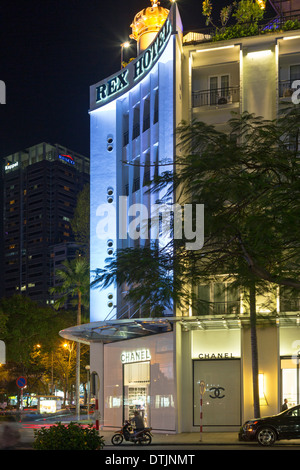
(78, 360)
(254, 351)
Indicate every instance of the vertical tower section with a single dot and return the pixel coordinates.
(132, 138)
(103, 202)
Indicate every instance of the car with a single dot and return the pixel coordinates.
(266, 431)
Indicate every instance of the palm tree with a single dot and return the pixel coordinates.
(75, 282)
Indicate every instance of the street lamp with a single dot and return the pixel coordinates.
(87, 368)
(124, 45)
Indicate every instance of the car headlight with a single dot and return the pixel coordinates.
(250, 426)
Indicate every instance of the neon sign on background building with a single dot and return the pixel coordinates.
(11, 166)
(67, 158)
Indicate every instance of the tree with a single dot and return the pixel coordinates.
(27, 324)
(81, 221)
(248, 180)
(75, 281)
(59, 365)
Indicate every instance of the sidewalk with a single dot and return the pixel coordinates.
(180, 440)
(188, 438)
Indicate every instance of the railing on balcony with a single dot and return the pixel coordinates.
(286, 88)
(229, 307)
(290, 305)
(216, 96)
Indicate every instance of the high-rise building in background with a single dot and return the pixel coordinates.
(39, 193)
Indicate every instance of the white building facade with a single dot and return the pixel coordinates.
(156, 365)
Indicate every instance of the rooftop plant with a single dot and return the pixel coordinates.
(246, 17)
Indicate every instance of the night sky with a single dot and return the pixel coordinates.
(51, 52)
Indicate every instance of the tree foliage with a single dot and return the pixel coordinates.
(248, 180)
(81, 221)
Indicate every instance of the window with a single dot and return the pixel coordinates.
(289, 301)
(136, 123)
(295, 413)
(146, 120)
(290, 380)
(155, 107)
(218, 299)
(219, 89)
(136, 175)
(125, 129)
(294, 72)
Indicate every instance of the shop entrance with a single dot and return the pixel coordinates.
(222, 398)
(136, 390)
(290, 380)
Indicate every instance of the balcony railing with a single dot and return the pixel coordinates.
(216, 96)
(290, 305)
(286, 88)
(229, 307)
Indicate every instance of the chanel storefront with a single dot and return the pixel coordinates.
(139, 375)
(216, 360)
(158, 372)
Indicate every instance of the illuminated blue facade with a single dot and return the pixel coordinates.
(132, 131)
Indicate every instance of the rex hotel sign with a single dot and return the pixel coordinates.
(135, 71)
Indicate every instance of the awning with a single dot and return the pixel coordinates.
(116, 330)
(124, 329)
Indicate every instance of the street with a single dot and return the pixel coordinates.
(168, 444)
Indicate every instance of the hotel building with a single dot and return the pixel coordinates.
(157, 365)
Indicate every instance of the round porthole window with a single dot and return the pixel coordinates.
(110, 141)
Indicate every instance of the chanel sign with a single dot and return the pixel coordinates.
(139, 355)
(216, 356)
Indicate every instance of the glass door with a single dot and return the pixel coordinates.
(219, 89)
(213, 88)
(136, 390)
(290, 381)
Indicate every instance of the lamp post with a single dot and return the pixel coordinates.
(124, 45)
(87, 368)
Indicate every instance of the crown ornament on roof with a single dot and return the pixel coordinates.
(148, 20)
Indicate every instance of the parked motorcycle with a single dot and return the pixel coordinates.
(143, 437)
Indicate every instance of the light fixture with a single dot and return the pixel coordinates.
(124, 45)
(261, 389)
(215, 48)
(291, 37)
(259, 53)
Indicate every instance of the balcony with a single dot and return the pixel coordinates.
(286, 88)
(290, 304)
(216, 97)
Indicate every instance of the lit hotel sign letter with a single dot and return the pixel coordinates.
(113, 85)
(123, 79)
(140, 355)
(152, 53)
